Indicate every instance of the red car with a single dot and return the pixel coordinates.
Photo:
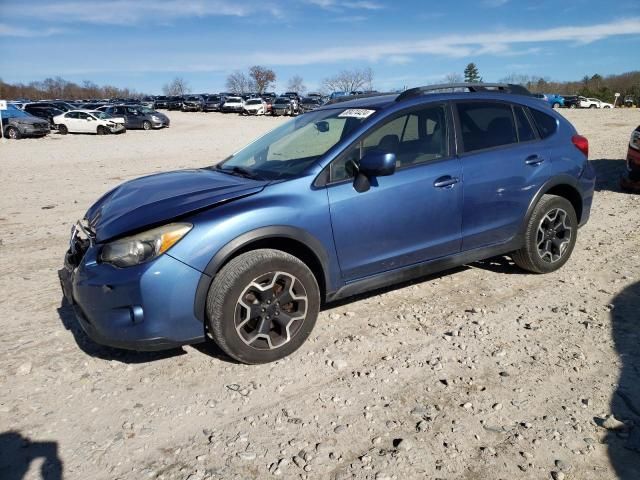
(632, 180)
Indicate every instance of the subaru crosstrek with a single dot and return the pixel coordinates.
(347, 198)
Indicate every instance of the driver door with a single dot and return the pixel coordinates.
(86, 123)
(409, 217)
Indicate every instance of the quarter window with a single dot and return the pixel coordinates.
(546, 124)
(486, 125)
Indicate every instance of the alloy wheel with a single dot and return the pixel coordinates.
(271, 310)
(554, 235)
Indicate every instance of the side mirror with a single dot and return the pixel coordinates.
(378, 163)
(322, 126)
(89, 119)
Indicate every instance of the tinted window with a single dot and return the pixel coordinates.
(486, 125)
(417, 137)
(546, 124)
(525, 131)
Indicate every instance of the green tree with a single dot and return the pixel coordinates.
(471, 74)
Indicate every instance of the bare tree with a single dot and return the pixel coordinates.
(178, 86)
(262, 77)
(453, 77)
(238, 83)
(296, 84)
(349, 81)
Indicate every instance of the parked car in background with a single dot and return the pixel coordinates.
(308, 104)
(631, 181)
(212, 103)
(64, 106)
(193, 103)
(233, 104)
(148, 102)
(630, 101)
(556, 101)
(292, 95)
(589, 102)
(284, 106)
(17, 123)
(175, 102)
(137, 116)
(254, 106)
(248, 251)
(571, 101)
(89, 121)
(46, 113)
(162, 102)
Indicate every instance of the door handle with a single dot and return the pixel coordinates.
(446, 182)
(533, 160)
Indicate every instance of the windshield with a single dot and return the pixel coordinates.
(13, 112)
(145, 110)
(282, 100)
(101, 115)
(254, 102)
(290, 149)
(213, 98)
(234, 99)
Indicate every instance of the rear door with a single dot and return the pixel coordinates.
(503, 163)
(71, 121)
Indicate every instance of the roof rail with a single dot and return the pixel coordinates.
(464, 87)
(346, 98)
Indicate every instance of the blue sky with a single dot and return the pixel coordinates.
(143, 44)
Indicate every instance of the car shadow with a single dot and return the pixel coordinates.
(608, 173)
(623, 445)
(17, 452)
(500, 264)
(88, 346)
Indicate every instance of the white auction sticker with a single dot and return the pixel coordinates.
(357, 113)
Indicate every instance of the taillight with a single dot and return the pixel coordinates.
(581, 144)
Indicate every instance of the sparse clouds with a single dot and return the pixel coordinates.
(494, 3)
(124, 12)
(337, 5)
(13, 31)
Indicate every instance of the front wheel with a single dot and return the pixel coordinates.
(593, 106)
(556, 105)
(146, 125)
(13, 133)
(549, 237)
(262, 306)
(102, 130)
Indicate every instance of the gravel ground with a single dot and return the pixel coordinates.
(483, 372)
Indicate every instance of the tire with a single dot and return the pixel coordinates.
(62, 129)
(102, 130)
(593, 106)
(13, 133)
(258, 277)
(556, 105)
(573, 105)
(550, 236)
(146, 125)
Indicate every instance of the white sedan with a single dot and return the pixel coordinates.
(254, 106)
(88, 121)
(594, 103)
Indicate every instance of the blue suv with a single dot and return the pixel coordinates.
(355, 195)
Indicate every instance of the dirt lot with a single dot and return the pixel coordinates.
(484, 372)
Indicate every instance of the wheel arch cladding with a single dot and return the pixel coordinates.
(286, 239)
(571, 194)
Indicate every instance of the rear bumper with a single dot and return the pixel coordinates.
(146, 307)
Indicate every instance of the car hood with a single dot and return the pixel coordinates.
(156, 199)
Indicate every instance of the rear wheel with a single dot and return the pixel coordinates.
(13, 133)
(146, 125)
(62, 129)
(262, 306)
(549, 237)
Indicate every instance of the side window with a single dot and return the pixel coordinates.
(486, 125)
(525, 131)
(416, 137)
(546, 124)
(71, 115)
(82, 115)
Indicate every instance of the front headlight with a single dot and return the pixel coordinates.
(635, 140)
(145, 246)
(155, 118)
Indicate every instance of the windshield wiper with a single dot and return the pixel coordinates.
(239, 171)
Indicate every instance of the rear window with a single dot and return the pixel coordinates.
(525, 131)
(486, 125)
(547, 125)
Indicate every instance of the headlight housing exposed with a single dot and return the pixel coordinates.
(145, 246)
(635, 140)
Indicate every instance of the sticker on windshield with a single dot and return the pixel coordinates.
(357, 113)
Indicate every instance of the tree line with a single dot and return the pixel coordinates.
(58, 87)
